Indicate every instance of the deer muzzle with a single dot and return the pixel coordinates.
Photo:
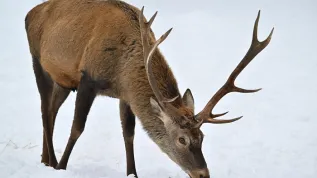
(199, 173)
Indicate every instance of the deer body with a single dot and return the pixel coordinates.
(110, 53)
(107, 48)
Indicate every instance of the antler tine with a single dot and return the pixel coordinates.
(152, 19)
(216, 121)
(218, 115)
(206, 116)
(255, 31)
(148, 52)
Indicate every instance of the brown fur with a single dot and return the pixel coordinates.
(102, 39)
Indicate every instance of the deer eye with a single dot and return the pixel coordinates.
(182, 140)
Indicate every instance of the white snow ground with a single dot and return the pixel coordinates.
(275, 139)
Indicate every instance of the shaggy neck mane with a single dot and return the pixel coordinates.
(164, 76)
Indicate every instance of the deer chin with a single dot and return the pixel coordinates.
(199, 173)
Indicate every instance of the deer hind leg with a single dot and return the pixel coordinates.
(86, 93)
(51, 96)
(128, 125)
(57, 98)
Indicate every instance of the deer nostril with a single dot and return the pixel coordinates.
(202, 176)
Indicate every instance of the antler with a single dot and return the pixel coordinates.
(206, 116)
(148, 51)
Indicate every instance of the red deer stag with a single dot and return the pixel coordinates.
(108, 48)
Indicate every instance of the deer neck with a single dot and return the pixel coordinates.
(140, 104)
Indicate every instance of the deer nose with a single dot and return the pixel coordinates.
(199, 173)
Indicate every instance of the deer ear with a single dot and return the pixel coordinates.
(159, 111)
(188, 100)
(155, 106)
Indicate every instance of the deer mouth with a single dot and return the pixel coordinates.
(201, 173)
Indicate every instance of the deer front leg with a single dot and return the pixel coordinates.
(86, 94)
(128, 125)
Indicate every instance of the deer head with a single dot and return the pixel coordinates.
(184, 138)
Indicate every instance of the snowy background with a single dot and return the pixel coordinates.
(276, 138)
